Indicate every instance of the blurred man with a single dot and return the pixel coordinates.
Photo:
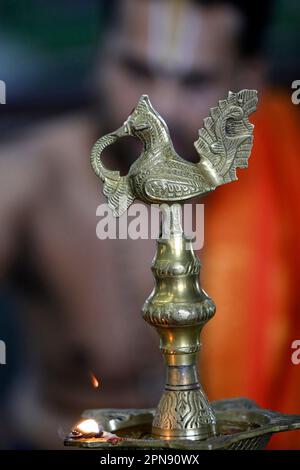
(82, 296)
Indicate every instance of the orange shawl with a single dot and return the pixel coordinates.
(251, 263)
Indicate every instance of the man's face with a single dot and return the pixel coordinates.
(182, 55)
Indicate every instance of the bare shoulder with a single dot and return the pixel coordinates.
(45, 148)
(50, 137)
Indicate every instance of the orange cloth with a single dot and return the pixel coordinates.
(251, 265)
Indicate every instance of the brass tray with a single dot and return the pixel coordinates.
(241, 425)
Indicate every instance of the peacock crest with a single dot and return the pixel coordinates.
(147, 125)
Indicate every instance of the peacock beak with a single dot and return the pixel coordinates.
(123, 131)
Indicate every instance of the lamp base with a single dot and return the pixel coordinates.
(241, 425)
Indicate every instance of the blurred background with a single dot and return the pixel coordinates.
(70, 303)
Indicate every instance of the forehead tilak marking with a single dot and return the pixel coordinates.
(173, 32)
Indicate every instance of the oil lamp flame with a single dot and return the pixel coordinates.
(90, 429)
(88, 426)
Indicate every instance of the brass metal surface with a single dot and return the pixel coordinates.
(241, 425)
(159, 174)
(178, 307)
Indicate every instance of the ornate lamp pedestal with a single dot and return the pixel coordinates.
(178, 309)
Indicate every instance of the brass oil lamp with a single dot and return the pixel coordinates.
(178, 307)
